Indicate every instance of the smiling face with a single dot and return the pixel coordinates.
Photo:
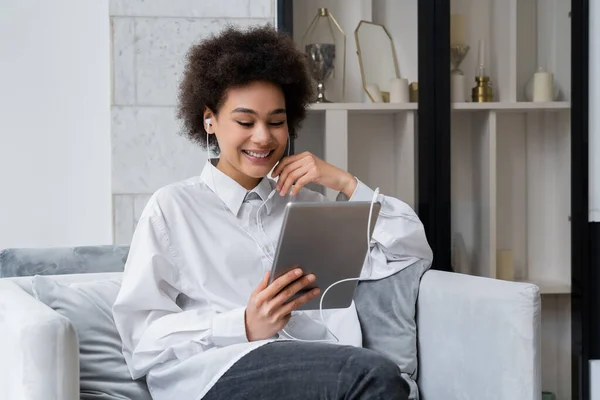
(252, 131)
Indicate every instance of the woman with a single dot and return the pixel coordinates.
(195, 311)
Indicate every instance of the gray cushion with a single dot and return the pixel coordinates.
(387, 311)
(88, 305)
(62, 260)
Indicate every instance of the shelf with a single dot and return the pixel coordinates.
(512, 106)
(397, 107)
(550, 287)
(371, 108)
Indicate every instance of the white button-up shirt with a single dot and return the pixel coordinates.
(196, 256)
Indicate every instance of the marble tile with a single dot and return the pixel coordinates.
(148, 152)
(262, 9)
(123, 219)
(161, 46)
(139, 203)
(181, 8)
(123, 61)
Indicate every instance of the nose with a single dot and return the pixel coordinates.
(262, 134)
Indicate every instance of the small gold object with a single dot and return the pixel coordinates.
(414, 92)
(483, 91)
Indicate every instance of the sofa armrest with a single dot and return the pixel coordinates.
(38, 347)
(479, 338)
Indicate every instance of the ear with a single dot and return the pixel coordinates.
(208, 120)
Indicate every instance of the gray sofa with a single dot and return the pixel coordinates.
(478, 338)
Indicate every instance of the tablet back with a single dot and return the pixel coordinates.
(329, 240)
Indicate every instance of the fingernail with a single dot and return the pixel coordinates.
(311, 278)
(298, 272)
(316, 291)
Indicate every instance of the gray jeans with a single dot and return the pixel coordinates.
(300, 370)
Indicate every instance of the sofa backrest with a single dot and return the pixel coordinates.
(62, 260)
(25, 281)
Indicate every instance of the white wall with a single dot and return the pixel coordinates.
(594, 107)
(149, 42)
(55, 166)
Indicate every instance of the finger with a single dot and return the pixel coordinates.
(284, 162)
(292, 178)
(300, 301)
(292, 162)
(289, 168)
(300, 183)
(275, 287)
(264, 283)
(283, 320)
(291, 290)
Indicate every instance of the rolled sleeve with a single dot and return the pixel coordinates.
(229, 327)
(361, 193)
(398, 231)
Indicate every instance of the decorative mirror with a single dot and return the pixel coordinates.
(377, 60)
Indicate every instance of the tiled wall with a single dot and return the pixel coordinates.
(149, 41)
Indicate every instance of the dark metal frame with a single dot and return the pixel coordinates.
(285, 16)
(433, 201)
(585, 236)
(285, 23)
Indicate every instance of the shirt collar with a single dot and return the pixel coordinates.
(231, 192)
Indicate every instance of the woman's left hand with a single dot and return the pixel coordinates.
(300, 169)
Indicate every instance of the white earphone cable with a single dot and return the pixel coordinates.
(207, 121)
(370, 266)
(259, 224)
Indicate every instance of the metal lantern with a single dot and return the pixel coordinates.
(319, 43)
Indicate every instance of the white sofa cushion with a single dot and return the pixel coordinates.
(88, 305)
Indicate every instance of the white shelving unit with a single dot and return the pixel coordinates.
(510, 164)
(510, 159)
(513, 106)
(511, 191)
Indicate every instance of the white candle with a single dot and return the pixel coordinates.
(399, 90)
(505, 265)
(457, 29)
(543, 86)
(458, 92)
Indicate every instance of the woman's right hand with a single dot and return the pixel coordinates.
(267, 311)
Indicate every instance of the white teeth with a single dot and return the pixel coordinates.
(257, 155)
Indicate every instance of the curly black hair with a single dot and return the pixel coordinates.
(234, 58)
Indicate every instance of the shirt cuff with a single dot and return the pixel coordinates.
(361, 193)
(229, 327)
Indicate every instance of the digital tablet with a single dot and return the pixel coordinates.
(328, 240)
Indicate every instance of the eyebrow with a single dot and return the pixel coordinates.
(249, 111)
